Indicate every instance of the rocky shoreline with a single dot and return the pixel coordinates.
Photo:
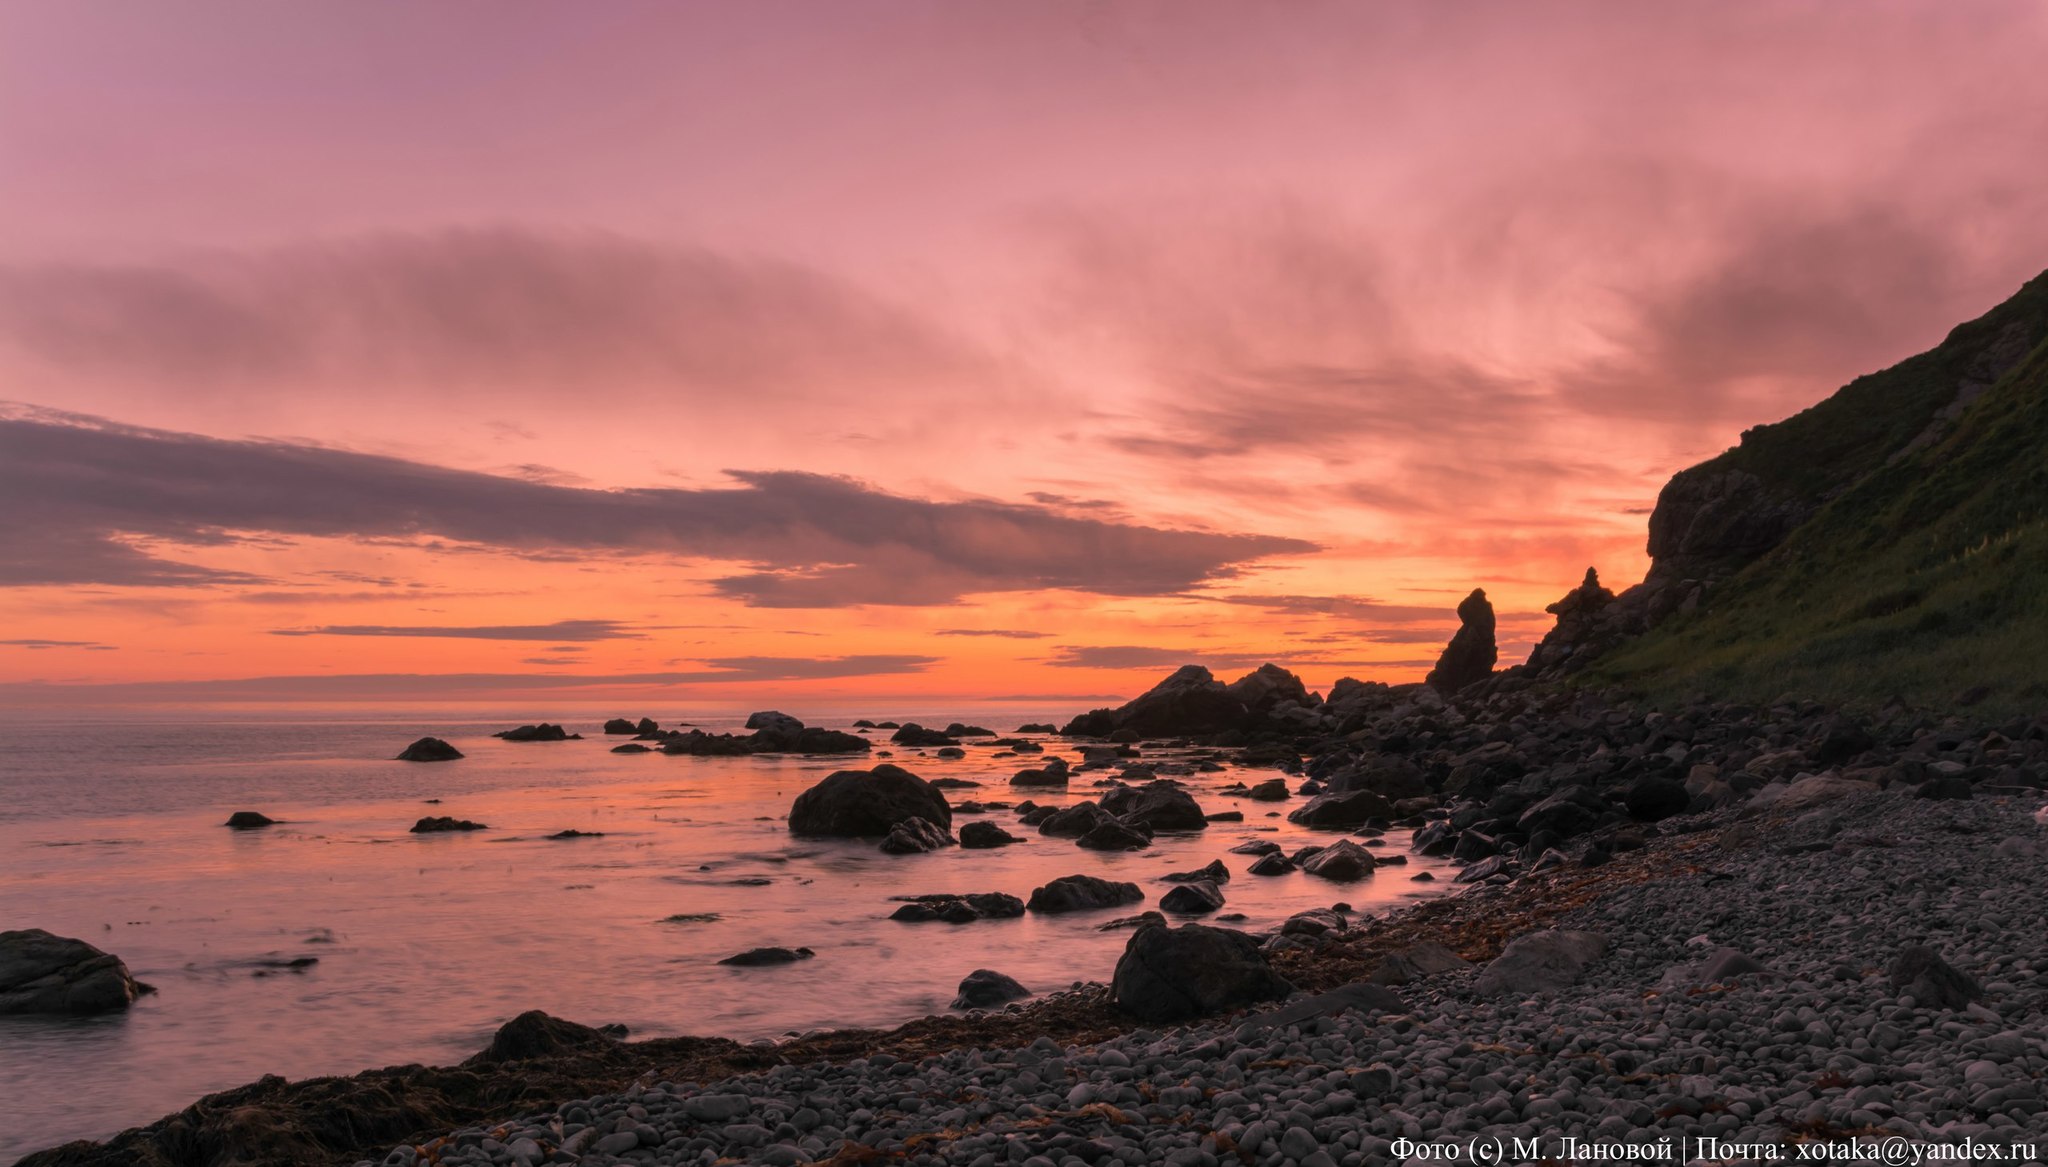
(1711, 923)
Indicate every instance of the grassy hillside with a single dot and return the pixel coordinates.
(1924, 576)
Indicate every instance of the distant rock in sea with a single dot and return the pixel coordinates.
(249, 820)
(430, 749)
(434, 824)
(544, 732)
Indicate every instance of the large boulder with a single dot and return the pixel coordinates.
(1191, 701)
(45, 973)
(986, 988)
(1072, 822)
(616, 725)
(1159, 805)
(1344, 810)
(774, 722)
(544, 732)
(1343, 860)
(1083, 893)
(1192, 899)
(429, 749)
(534, 1034)
(915, 836)
(860, 803)
(1175, 974)
(1540, 962)
(1471, 654)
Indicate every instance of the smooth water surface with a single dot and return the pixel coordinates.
(111, 831)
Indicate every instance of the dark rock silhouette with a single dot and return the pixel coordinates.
(1470, 656)
(760, 956)
(544, 732)
(1173, 974)
(249, 820)
(534, 1034)
(45, 973)
(857, 803)
(430, 749)
(436, 824)
(985, 989)
(915, 836)
(1081, 893)
(1587, 625)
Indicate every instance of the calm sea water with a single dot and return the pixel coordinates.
(110, 830)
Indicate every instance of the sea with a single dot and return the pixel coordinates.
(112, 831)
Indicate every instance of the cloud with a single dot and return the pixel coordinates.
(37, 643)
(474, 310)
(378, 686)
(1141, 656)
(1010, 633)
(93, 502)
(1348, 607)
(584, 630)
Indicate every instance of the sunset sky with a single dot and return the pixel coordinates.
(774, 352)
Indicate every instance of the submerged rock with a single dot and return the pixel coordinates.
(762, 956)
(544, 732)
(249, 820)
(914, 836)
(434, 824)
(44, 973)
(954, 908)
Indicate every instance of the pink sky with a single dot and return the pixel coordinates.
(894, 349)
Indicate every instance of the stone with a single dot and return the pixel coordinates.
(1920, 972)
(1412, 964)
(774, 722)
(985, 989)
(1343, 861)
(535, 1034)
(1192, 899)
(1271, 790)
(1359, 997)
(435, 824)
(429, 749)
(1115, 835)
(1176, 974)
(1082, 893)
(249, 820)
(911, 733)
(1189, 702)
(953, 908)
(1272, 863)
(1652, 798)
(544, 732)
(981, 836)
(44, 973)
(619, 725)
(1342, 810)
(764, 956)
(1053, 773)
(1214, 872)
(1471, 654)
(859, 803)
(1160, 805)
(1074, 821)
(1540, 962)
(915, 836)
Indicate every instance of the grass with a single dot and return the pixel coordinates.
(1923, 579)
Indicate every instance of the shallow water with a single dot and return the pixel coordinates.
(110, 830)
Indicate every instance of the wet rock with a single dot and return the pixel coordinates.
(44, 973)
(1114, 835)
(1038, 727)
(1053, 774)
(632, 748)
(1191, 701)
(1255, 847)
(1193, 899)
(1082, 893)
(434, 824)
(1175, 974)
(1342, 810)
(572, 833)
(911, 733)
(429, 749)
(1471, 654)
(249, 820)
(983, 835)
(1920, 972)
(915, 836)
(958, 909)
(1074, 821)
(1315, 922)
(1343, 860)
(617, 725)
(1214, 872)
(986, 989)
(1271, 790)
(1272, 864)
(1160, 805)
(956, 729)
(1540, 962)
(544, 732)
(774, 722)
(763, 956)
(535, 1034)
(858, 803)
(1652, 798)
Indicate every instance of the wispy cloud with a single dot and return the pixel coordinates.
(583, 630)
(96, 502)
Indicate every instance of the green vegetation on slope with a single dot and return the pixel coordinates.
(1925, 578)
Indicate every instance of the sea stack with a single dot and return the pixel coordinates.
(1471, 653)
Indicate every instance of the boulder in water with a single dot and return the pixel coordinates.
(857, 803)
(45, 973)
(429, 749)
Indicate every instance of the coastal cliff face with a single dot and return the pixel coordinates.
(1803, 546)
